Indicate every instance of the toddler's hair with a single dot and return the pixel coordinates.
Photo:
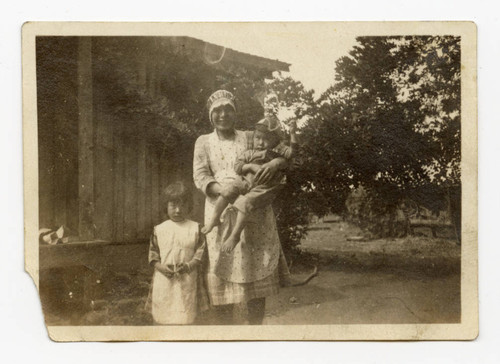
(177, 192)
(274, 136)
(270, 125)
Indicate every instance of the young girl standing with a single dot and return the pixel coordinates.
(176, 251)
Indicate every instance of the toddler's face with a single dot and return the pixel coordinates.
(261, 140)
(177, 210)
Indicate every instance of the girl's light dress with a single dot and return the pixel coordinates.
(176, 300)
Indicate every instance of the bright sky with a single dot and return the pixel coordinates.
(311, 51)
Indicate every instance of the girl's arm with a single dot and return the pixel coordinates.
(154, 250)
(154, 257)
(202, 175)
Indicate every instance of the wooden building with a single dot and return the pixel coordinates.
(100, 174)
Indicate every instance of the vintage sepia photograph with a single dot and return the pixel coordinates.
(252, 181)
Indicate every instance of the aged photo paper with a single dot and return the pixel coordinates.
(252, 181)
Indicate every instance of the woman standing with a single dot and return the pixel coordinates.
(254, 262)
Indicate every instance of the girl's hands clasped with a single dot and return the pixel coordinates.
(181, 268)
(166, 271)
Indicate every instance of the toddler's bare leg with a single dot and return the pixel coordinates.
(234, 238)
(220, 205)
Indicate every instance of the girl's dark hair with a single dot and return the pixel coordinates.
(177, 192)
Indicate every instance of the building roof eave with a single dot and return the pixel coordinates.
(235, 56)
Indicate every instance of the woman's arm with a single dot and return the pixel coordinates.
(268, 170)
(202, 175)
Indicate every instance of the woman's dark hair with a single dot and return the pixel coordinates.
(177, 192)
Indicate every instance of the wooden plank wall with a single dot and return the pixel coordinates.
(127, 182)
(104, 170)
(116, 192)
(57, 131)
(86, 134)
(129, 173)
(118, 187)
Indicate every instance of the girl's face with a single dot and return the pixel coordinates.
(223, 117)
(177, 210)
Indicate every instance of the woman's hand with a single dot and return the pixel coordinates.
(250, 168)
(268, 171)
(214, 189)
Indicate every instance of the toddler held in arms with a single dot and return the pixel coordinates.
(247, 192)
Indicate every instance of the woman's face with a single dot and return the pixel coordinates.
(223, 117)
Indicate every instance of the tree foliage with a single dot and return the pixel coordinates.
(390, 123)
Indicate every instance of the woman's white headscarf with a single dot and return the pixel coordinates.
(219, 97)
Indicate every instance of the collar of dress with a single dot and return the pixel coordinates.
(238, 134)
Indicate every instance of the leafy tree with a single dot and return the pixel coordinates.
(390, 123)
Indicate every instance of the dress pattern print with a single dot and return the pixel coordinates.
(249, 270)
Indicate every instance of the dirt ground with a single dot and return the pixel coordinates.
(409, 280)
(336, 297)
